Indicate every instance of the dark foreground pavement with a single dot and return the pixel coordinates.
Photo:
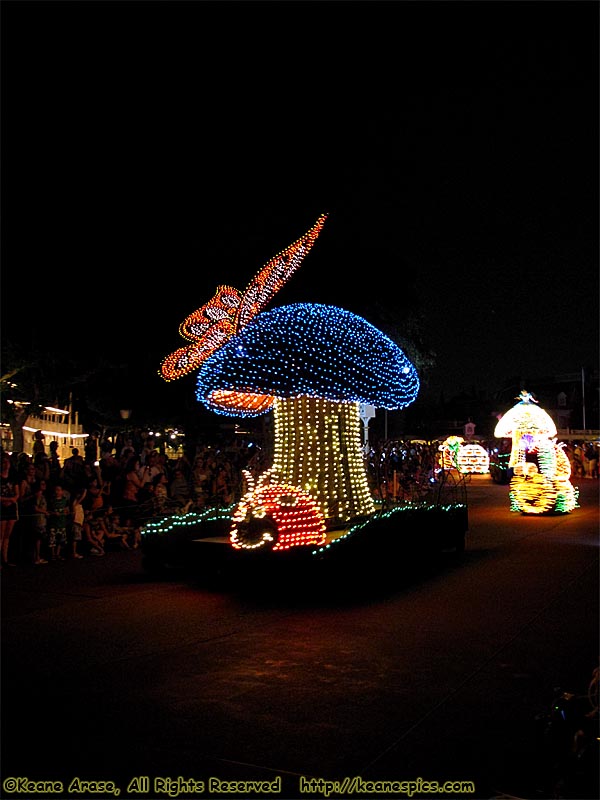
(112, 676)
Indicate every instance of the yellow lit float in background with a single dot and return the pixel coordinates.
(541, 470)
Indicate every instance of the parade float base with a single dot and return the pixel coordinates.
(387, 542)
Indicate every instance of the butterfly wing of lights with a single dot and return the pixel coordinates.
(229, 311)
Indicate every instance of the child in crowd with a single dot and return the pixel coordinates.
(78, 513)
(115, 535)
(160, 494)
(58, 509)
(94, 531)
(180, 492)
(40, 521)
(130, 529)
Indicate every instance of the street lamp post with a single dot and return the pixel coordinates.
(125, 414)
(583, 396)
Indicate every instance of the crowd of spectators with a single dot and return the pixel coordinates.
(583, 458)
(100, 501)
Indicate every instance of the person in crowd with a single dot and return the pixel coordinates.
(24, 532)
(38, 443)
(115, 538)
(137, 439)
(21, 463)
(77, 520)
(133, 532)
(223, 486)
(90, 448)
(58, 520)
(590, 460)
(180, 490)
(9, 499)
(146, 495)
(94, 497)
(73, 472)
(183, 463)
(110, 470)
(160, 498)
(148, 472)
(54, 465)
(40, 521)
(29, 477)
(578, 466)
(162, 462)
(148, 448)
(41, 462)
(200, 481)
(132, 485)
(127, 450)
(594, 461)
(94, 532)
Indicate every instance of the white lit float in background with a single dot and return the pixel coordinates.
(469, 458)
(541, 469)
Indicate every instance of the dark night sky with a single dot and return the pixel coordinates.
(151, 151)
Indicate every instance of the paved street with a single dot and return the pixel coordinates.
(110, 675)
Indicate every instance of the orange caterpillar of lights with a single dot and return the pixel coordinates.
(275, 517)
(541, 469)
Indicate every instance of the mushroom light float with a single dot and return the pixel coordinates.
(541, 470)
(312, 365)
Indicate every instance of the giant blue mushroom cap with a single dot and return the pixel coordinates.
(306, 350)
